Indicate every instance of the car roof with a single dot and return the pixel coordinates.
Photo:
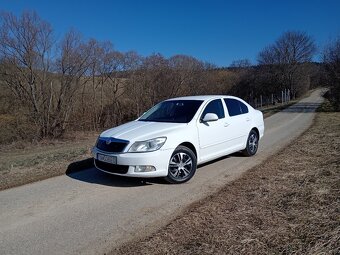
(202, 97)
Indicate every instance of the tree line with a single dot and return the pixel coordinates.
(49, 86)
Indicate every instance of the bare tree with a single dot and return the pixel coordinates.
(331, 59)
(155, 78)
(45, 84)
(135, 84)
(288, 56)
(71, 67)
(111, 73)
(292, 47)
(241, 63)
(187, 78)
(96, 91)
(26, 45)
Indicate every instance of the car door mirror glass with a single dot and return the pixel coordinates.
(210, 117)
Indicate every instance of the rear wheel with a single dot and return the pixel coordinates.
(252, 144)
(182, 165)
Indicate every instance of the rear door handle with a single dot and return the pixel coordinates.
(247, 119)
(226, 124)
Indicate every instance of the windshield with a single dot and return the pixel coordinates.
(177, 111)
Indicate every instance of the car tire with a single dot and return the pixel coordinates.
(252, 144)
(182, 165)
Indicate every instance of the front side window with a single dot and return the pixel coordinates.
(216, 107)
(235, 107)
(176, 111)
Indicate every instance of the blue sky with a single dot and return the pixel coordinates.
(215, 31)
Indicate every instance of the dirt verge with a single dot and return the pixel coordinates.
(289, 204)
(19, 166)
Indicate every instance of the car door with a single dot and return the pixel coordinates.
(212, 134)
(239, 123)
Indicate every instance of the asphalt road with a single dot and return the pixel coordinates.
(90, 212)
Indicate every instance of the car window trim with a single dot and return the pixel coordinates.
(205, 106)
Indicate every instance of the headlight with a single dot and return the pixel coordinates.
(149, 145)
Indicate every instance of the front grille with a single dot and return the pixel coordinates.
(110, 144)
(116, 169)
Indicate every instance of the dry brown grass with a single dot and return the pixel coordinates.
(287, 205)
(22, 163)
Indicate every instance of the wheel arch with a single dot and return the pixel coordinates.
(190, 146)
(257, 131)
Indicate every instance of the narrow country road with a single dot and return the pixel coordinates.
(89, 212)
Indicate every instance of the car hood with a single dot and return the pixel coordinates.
(141, 130)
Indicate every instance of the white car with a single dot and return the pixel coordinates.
(178, 134)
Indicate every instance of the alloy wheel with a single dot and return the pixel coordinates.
(180, 166)
(253, 143)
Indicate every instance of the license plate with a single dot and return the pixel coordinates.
(107, 159)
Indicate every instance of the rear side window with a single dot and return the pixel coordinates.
(244, 108)
(216, 107)
(235, 107)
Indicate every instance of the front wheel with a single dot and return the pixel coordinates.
(182, 165)
(252, 144)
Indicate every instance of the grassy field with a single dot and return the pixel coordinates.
(290, 204)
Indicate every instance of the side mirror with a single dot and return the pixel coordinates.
(210, 117)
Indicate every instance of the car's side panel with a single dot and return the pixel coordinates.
(188, 134)
(212, 138)
(240, 125)
(258, 122)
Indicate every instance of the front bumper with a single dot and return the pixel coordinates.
(159, 159)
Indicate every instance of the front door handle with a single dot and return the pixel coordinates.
(247, 119)
(226, 124)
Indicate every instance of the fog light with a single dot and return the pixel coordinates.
(145, 168)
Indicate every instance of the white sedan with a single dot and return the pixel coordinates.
(178, 134)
